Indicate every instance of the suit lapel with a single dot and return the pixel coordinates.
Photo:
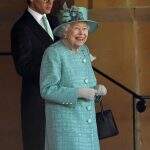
(36, 28)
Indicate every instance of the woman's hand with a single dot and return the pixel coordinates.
(87, 93)
(101, 90)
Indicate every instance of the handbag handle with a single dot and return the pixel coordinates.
(99, 99)
(102, 109)
(101, 106)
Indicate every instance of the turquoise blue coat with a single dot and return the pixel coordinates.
(70, 121)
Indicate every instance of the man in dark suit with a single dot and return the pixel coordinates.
(29, 39)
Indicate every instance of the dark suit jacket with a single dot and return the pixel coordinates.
(28, 43)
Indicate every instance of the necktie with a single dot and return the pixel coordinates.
(47, 27)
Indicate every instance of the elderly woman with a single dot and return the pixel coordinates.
(67, 83)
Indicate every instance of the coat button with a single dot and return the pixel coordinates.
(84, 60)
(89, 120)
(86, 81)
(88, 108)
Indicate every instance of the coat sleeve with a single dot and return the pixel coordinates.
(22, 48)
(50, 77)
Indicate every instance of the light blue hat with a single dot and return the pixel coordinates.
(73, 14)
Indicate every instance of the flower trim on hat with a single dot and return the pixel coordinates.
(72, 14)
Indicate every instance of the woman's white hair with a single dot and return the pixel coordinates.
(65, 30)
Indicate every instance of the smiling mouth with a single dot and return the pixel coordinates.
(80, 38)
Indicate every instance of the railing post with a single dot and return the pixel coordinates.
(136, 127)
(133, 123)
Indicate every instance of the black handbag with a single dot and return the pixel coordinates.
(106, 124)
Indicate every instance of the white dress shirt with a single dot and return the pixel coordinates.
(38, 17)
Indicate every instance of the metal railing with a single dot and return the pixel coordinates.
(140, 105)
(5, 53)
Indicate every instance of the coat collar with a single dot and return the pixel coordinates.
(36, 28)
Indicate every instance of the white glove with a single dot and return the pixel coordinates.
(87, 93)
(92, 58)
(101, 90)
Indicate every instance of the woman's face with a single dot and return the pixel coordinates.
(77, 34)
